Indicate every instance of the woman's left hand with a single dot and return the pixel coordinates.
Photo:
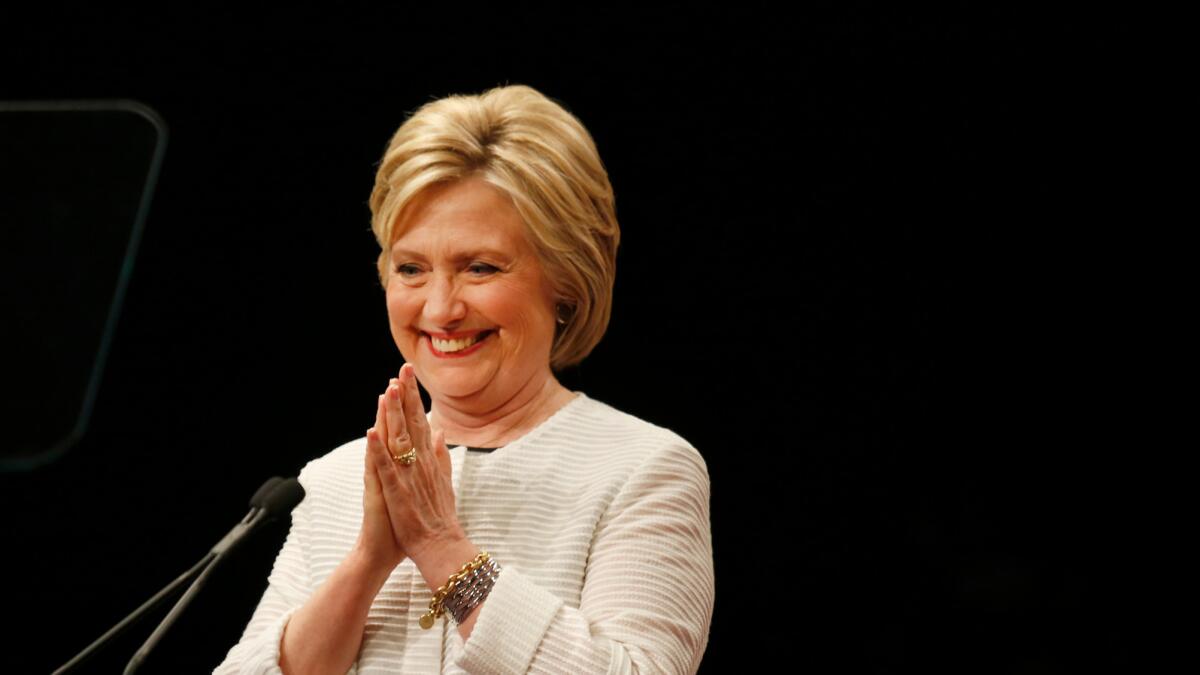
(419, 496)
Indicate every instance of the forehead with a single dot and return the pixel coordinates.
(465, 211)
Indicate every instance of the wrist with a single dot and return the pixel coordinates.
(462, 593)
(372, 570)
(439, 559)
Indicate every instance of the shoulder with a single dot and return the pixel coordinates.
(658, 479)
(346, 458)
(337, 474)
(631, 440)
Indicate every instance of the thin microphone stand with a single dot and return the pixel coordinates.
(212, 559)
(276, 496)
(128, 621)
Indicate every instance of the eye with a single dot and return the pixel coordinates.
(407, 270)
(482, 269)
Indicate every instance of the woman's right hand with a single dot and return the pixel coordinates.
(326, 633)
(376, 540)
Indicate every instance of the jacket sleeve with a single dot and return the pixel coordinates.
(288, 587)
(647, 595)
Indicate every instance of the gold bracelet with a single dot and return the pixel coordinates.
(436, 607)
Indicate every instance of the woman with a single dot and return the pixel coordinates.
(498, 232)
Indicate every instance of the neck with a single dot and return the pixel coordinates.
(468, 421)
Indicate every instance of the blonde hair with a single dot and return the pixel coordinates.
(543, 158)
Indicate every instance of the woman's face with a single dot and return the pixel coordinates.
(467, 301)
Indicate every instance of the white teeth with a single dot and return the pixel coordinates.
(454, 345)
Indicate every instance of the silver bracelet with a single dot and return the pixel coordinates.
(469, 592)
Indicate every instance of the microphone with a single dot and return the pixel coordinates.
(283, 497)
(263, 490)
(276, 497)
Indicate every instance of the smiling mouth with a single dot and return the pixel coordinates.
(457, 345)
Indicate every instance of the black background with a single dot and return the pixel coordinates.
(845, 275)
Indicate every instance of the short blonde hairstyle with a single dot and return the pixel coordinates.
(543, 158)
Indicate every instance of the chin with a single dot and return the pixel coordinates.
(456, 385)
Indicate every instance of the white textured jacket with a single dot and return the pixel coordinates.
(599, 520)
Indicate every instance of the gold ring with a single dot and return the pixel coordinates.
(407, 459)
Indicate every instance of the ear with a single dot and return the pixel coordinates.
(563, 312)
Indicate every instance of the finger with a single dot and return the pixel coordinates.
(398, 439)
(377, 522)
(379, 452)
(373, 497)
(380, 419)
(374, 489)
(368, 473)
(392, 488)
(441, 451)
(414, 409)
(418, 426)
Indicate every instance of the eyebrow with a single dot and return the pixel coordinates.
(457, 257)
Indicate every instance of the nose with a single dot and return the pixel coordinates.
(444, 307)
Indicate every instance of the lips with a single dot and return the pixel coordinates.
(457, 345)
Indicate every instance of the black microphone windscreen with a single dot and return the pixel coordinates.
(284, 497)
(260, 496)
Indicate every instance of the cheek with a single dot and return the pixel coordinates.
(400, 308)
(517, 307)
(532, 328)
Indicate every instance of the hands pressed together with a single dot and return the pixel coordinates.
(408, 509)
